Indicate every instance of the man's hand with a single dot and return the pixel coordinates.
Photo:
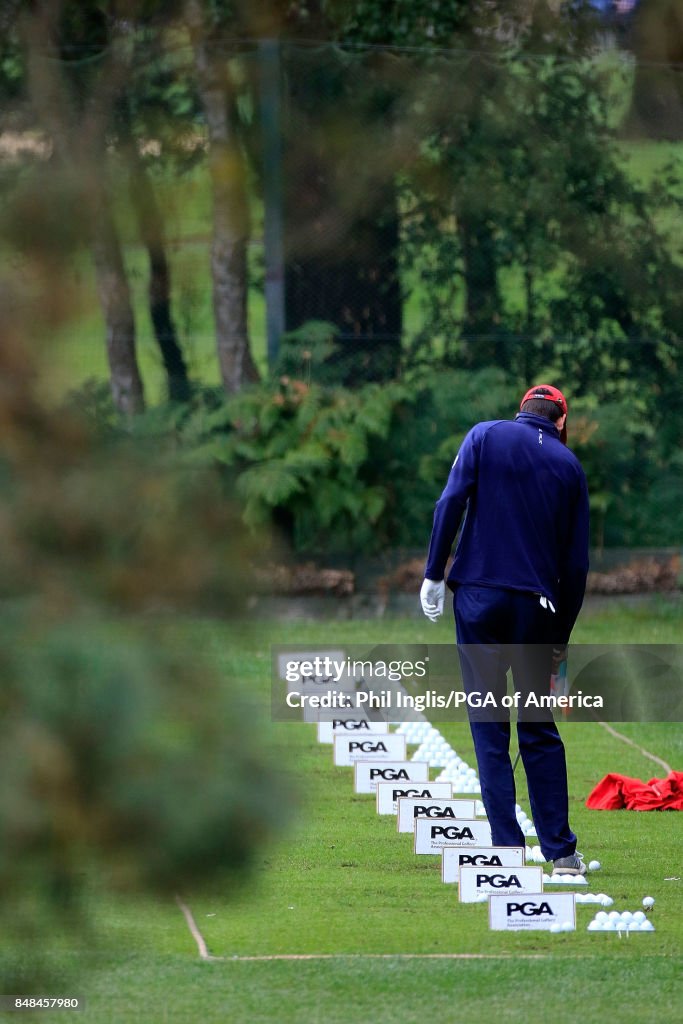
(432, 597)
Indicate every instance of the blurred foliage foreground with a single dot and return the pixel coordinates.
(126, 760)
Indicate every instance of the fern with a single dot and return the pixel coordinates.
(312, 458)
(271, 483)
(308, 449)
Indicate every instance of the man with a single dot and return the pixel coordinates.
(519, 576)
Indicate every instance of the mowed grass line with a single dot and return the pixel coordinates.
(342, 881)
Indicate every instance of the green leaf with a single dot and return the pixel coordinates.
(271, 483)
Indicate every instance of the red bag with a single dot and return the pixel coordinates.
(617, 792)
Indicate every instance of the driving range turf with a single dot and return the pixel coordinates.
(342, 885)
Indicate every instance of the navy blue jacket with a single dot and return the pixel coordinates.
(526, 521)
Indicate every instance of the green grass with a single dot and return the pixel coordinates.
(343, 883)
(358, 991)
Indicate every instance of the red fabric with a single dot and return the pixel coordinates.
(615, 792)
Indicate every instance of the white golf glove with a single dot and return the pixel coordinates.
(432, 596)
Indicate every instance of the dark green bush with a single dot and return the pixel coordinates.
(344, 471)
(339, 470)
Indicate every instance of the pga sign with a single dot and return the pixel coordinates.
(311, 674)
(349, 724)
(532, 911)
(412, 808)
(311, 677)
(478, 857)
(433, 834)
(389, 793)
(356, 747)
(369, 774)
(486, 880)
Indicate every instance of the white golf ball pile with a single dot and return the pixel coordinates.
(434, 749)
(624, 921)
(533, 855)
(594, 897)
(464, 778)
(414, 732)
(525, 822)
(566, 926)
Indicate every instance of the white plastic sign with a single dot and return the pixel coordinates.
(348, 749)
(433, 834)
(532, 912)
(389, 793)
(412, 808)
(306, 671)
(482, 880)
(369, 774)
(350, 724)
(478, 856)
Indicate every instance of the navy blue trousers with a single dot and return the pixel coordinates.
(499, 630)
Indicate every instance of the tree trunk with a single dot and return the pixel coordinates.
(230, 209)
(114, 293)
(78, 128)
(151, 227)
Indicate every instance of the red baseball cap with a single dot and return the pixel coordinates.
(550, 394)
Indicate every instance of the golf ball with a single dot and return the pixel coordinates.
(648, 902)
(594, 865)
(556, 927)
(601, 916)
(639, 916)
(567, 926)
